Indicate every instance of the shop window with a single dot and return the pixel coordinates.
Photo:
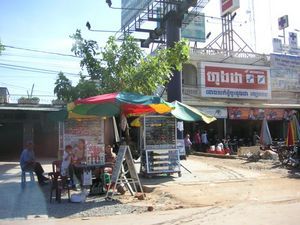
(189, 75)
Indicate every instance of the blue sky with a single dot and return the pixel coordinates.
(47, 24)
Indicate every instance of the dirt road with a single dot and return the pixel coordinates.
(232, 191)
(210, 191)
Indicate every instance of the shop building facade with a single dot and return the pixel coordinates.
(240, 92)
(20, 123)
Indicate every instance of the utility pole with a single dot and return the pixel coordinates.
(174, 88)
(174, 20)
(173, 33)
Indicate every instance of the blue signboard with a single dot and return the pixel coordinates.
(194, 30)
(131, 9)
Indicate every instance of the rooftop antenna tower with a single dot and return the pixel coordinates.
(229, 42)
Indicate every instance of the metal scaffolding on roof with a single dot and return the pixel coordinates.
(156, 13)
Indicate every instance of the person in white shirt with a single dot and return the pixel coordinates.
(187, 144)
(66, 160)
(204, 141)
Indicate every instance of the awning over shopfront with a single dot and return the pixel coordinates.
(218, 112)
(188, 113)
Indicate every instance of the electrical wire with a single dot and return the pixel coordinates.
(33, 69)
(20, 87)
(43, 62)
(10, 54)
(41, 51)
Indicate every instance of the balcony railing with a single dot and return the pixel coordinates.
(43, 99)
(191, 90)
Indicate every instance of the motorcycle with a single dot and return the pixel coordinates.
(289, 156)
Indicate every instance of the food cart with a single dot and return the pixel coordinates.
(159, 152)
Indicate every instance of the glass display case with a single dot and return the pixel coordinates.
(158, 143)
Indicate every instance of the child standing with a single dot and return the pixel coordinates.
(66, 161)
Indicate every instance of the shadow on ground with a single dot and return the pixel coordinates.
(158, 179)
(294, 173)
(6, 166)
(34, 201)
(93, 206)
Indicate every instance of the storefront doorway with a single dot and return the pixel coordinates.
(11, 139)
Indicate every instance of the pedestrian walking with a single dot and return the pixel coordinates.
(204, 140)
(197, 140)
(187, 144)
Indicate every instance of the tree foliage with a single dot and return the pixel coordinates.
(120, 67)
(1, 47)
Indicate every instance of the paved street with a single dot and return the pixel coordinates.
(210, 191)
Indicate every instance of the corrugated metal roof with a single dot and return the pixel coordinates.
(45, 108)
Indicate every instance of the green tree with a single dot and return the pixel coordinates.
(1, 47)
(121, 67)
(64, 89)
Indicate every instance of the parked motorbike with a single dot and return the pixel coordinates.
(289, 156)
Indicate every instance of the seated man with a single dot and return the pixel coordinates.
(28, 163)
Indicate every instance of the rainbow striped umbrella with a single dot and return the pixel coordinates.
(113, 104)
(293, 132)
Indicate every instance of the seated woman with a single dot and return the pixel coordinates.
(78, 157)
(66, 161)
(104, 173)
(79, 152)
(110, 158)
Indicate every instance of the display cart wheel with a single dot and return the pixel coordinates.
(183, 157)
(179, 174)
(148, 176)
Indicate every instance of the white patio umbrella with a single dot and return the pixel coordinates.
(265, 135)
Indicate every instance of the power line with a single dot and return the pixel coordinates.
(67, 65)
(40, 51)
(33, 69)
(9, 54)
(20, 87)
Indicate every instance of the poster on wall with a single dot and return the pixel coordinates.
(239, 113)
(285, 72)
(221, 80)
(92, 131)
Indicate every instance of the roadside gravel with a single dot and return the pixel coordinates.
(93, 206)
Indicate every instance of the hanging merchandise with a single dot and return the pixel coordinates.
(87, 178)
(123, 122)
(180, 125)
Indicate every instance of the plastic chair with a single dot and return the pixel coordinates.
(58, 182)
(23, 177)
